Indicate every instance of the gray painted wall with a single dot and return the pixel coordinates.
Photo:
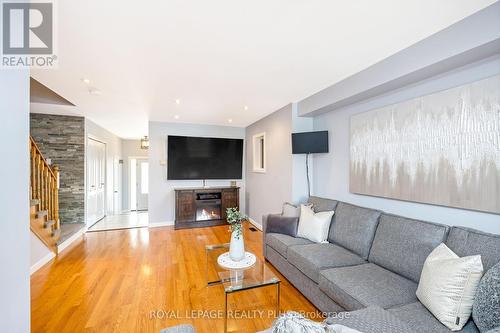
(299, 182)
(62, 139)
(266, 192)
(161, 200)
(14, 201)
(331, 171)
(130, 149)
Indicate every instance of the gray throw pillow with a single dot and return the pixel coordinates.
(486, 308)
(282, 225)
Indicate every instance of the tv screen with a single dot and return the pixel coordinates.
(204, 158)
(310, 142)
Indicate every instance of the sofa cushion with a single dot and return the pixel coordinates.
(373, 319)
(322, 204)
(421, 320)
(281, 242)
(354, 227)
(401, 244)
(365, 285)
(468, 242)
(312, 258)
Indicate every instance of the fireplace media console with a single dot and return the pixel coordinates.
(204, 207)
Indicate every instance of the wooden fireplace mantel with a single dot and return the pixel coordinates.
(190, 199)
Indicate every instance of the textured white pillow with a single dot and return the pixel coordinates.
(448, 284)
(314, 226)
(291, 210)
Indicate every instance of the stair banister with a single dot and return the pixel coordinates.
(44, 186)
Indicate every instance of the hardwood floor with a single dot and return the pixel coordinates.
(143, 280)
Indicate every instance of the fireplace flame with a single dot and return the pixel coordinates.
(209, 214)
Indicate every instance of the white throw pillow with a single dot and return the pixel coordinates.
(291, 210)
(448, 284)
(314, 226)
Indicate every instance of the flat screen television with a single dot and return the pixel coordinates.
(204, 158)
(310, 142)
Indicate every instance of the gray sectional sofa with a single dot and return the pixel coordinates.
(371, 266)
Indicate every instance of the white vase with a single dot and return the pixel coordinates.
(236, 246)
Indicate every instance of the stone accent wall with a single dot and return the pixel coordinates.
(62, 140)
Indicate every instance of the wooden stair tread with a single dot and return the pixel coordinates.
(34, 202)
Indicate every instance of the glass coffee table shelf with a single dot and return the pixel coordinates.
(256, 276)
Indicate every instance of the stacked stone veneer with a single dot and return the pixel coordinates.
(62, 140)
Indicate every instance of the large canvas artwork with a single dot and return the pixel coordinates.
(441, 149)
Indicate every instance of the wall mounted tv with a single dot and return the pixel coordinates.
(204, 158)
(310, 142)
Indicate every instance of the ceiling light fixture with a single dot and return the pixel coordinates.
(86, 81)
(229, 120)
(245, 107)
(95, 91)
(177, 101)
(145, 142)
(176, 116)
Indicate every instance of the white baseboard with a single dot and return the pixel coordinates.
(70, 240)
(36, 266)
(257, 225)
(161, 224)
(51, 255)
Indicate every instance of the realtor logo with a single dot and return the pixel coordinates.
(28, 34)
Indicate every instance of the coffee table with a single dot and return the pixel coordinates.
(256, 276)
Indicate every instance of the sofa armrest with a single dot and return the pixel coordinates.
(264, 232)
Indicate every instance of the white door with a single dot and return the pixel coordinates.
(142, 189)
(96, 179)
(117, 185)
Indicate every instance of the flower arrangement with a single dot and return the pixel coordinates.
(235, 218)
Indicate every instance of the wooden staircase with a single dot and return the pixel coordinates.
(44, 192)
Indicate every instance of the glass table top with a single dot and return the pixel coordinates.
(257, 275)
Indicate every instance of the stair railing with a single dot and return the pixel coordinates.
(44, 184)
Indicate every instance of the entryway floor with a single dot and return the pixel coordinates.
(122, 221)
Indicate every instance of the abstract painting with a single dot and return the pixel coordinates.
(441, 149)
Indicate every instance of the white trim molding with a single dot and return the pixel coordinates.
(255, 224)
(40, 263)
(259, 152)
(60, 248)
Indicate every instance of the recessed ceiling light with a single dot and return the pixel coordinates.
(176, 116)
(86, 81)
(245, 107)
(177, 101)
(94, 91)
(229, 120)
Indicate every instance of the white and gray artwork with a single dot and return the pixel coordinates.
(441, 149)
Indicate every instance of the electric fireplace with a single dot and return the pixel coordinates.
(208, 206)
(197, 207)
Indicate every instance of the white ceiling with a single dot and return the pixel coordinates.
(218, 56)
